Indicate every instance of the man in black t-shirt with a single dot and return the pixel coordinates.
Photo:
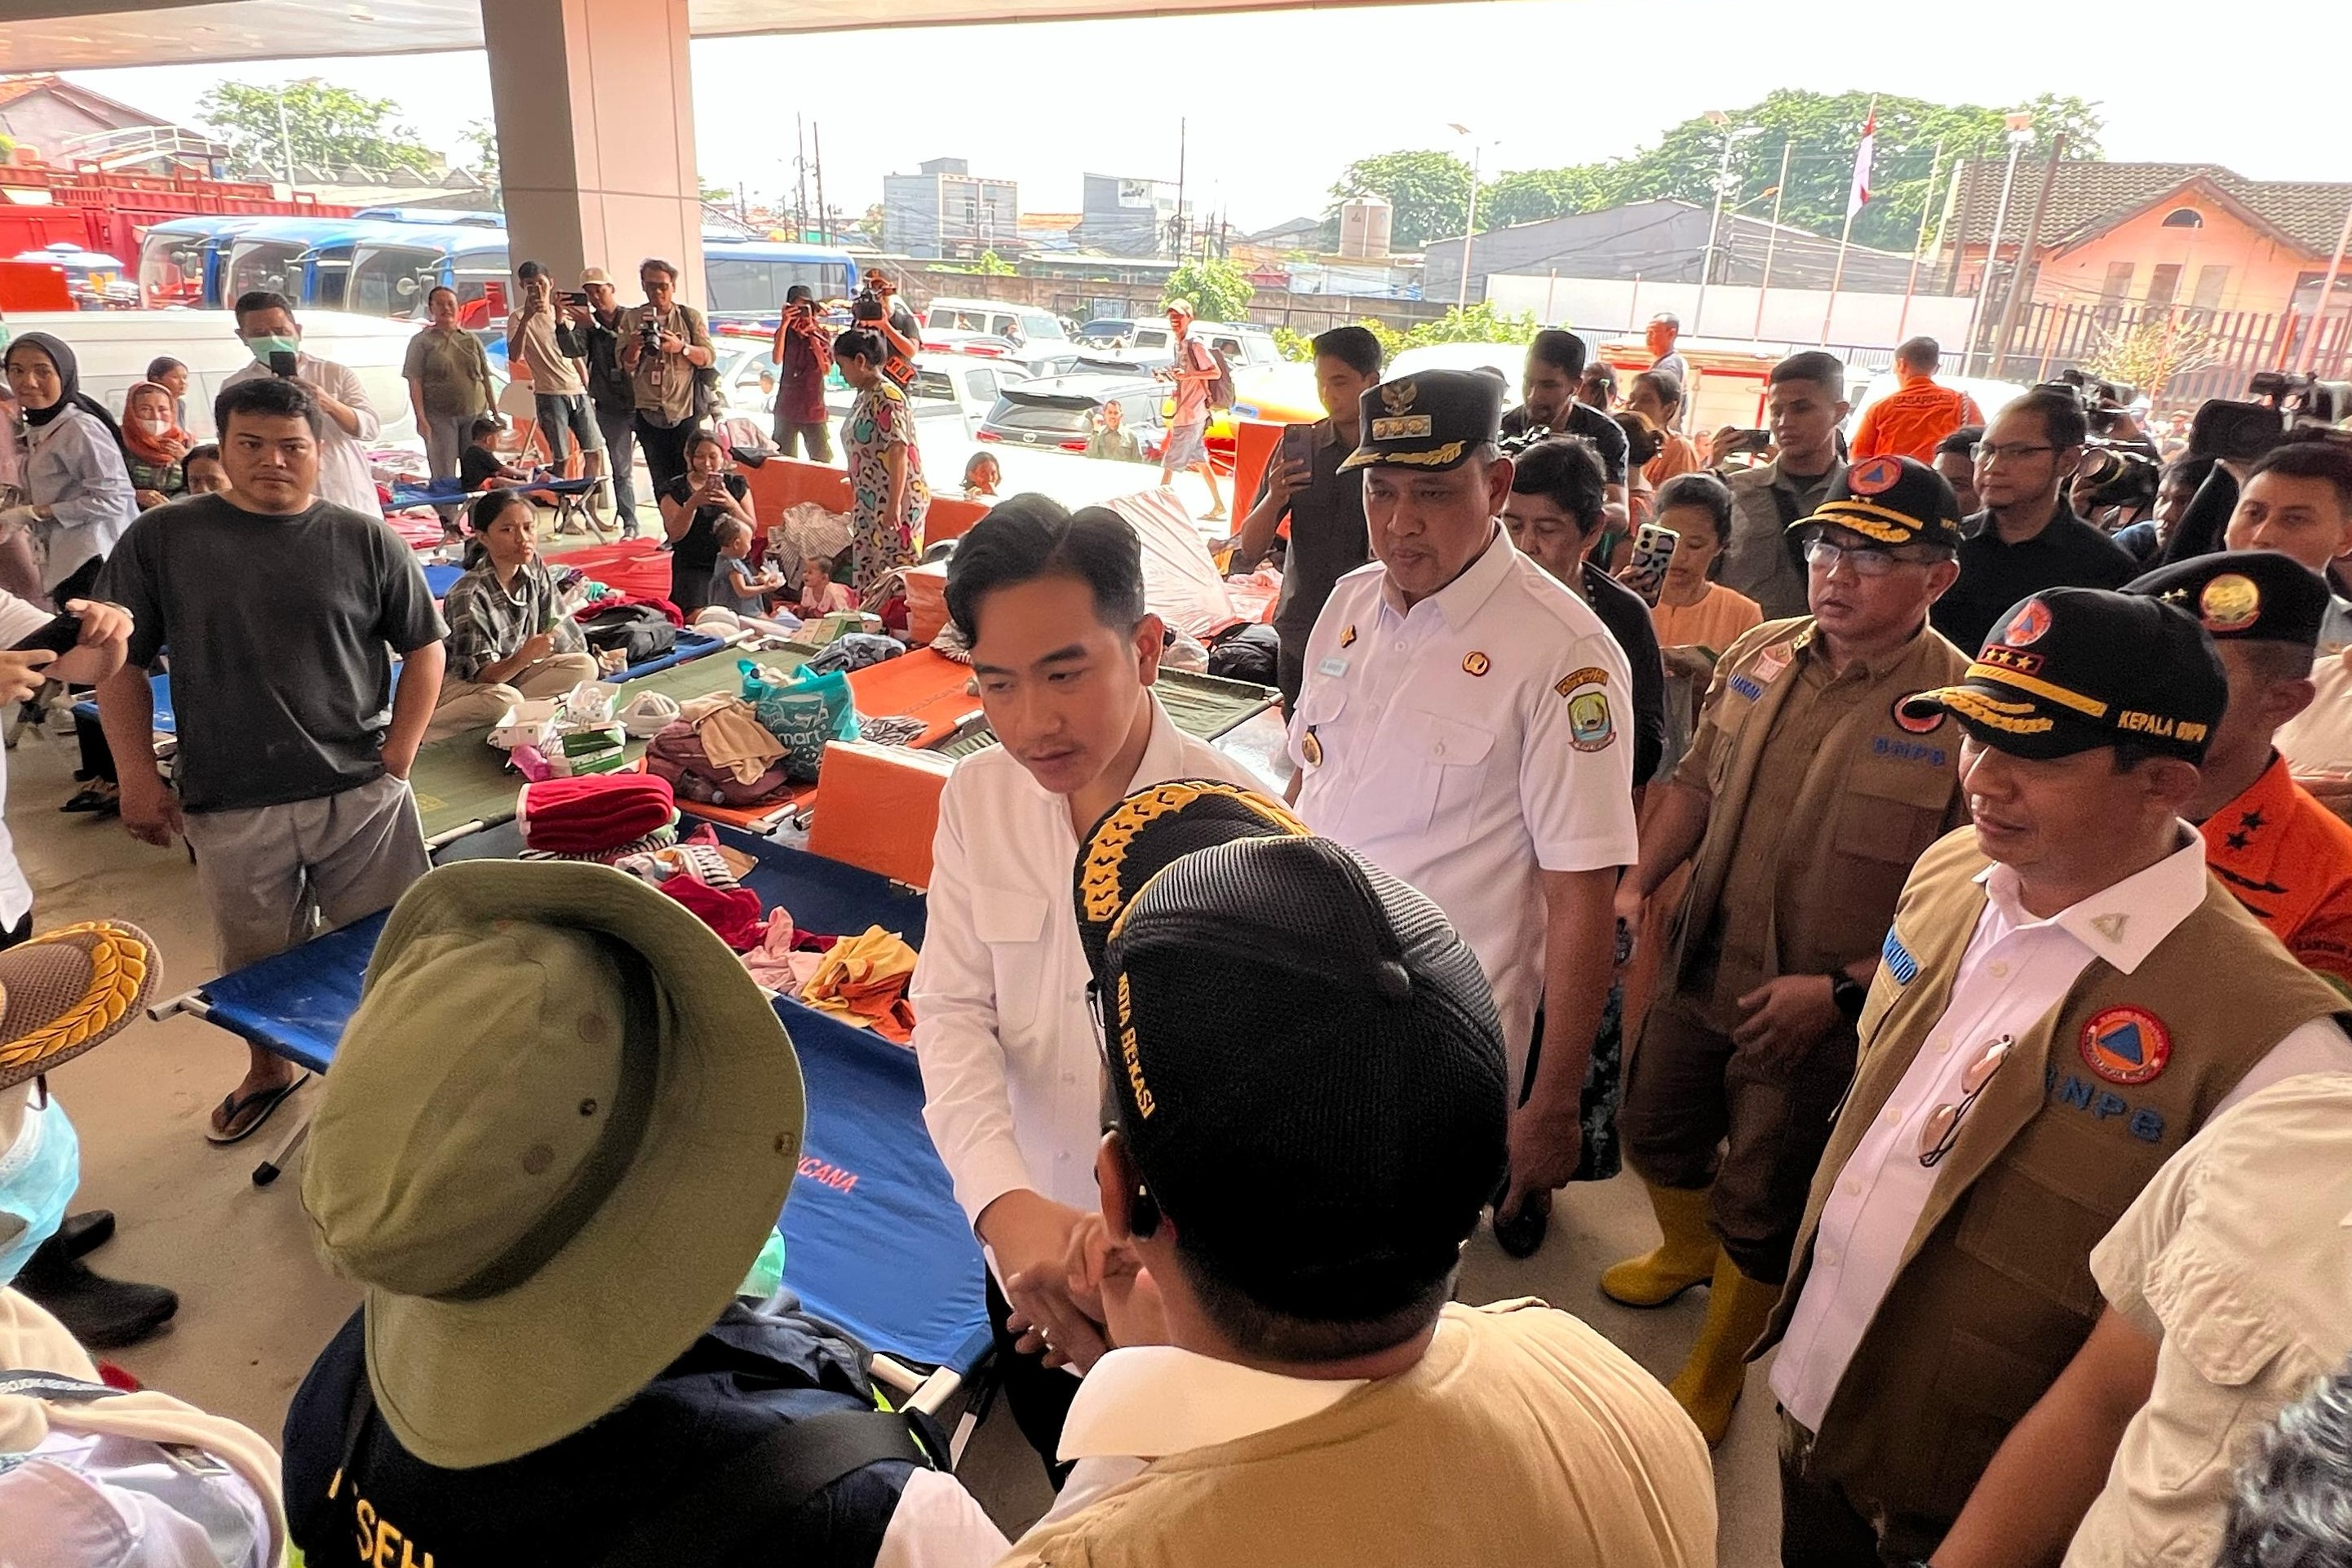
(282, 612)
(1555, 369)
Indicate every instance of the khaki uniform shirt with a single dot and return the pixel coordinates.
(2237, 1260)
(665, 382)
(1757, 558)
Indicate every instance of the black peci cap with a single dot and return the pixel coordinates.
(1890, 501)
(1431, 421)
(2075, 668)
(1305, 1059)
(2244, 596)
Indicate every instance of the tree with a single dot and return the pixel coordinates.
(483, 138)
(992, 265)
(1219, 289)
(326, 127)
(1478, 323)
(1428, 193)
(2148, 353)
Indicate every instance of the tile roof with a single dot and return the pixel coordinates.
(2090, 195)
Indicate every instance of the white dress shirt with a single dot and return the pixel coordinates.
(2016, 971)
(1467, 744)
(343, 476)
(1012, 1064)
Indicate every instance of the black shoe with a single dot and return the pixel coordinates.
(1522, 1234)
(93, 797)
(83, 1233)
(101, 1313)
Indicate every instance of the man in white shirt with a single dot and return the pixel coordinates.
(1308, 1077)
(1065, 655)
(1459, 727)
(2065, 996)
(266, 324)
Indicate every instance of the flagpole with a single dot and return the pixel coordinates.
(1772, 236)
(1926, 207)
(1854, 198)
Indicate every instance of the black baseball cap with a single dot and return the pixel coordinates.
(2244, 596)
(1890, 501)
(1304, 1058)
(2073, 669)
(1431, 421)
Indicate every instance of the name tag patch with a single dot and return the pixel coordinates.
(1898, 959)
(1334, 667)
(1747, 686)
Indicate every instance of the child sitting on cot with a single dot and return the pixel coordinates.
(478, 466)
(734, 585)
(820, 595)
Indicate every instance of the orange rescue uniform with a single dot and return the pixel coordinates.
(2289, 860)
(1908, 423)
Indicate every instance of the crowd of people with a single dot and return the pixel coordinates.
(1914, 882)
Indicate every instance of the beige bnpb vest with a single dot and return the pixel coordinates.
(1995, 1293)
(1522, 1436)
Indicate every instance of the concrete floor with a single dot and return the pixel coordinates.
(255, 1305)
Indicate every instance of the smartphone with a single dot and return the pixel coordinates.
(1751, 441)
(284, 364)
(1298, 445)
(59, 637)
(1646, 570)
(575, 297)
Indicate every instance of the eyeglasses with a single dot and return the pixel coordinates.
(1942, 1128)
(2015, 452)
(1861, 562)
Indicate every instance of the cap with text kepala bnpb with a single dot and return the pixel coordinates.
(1890, 501)
(1305, 1059)
(1431, 421)
(2244, 596)
(2073, 669)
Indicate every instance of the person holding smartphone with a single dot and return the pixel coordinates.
(692, 506)
(803, 353)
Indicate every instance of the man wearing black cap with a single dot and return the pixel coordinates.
(1555, 369)
(1803, 801)
(2287, 857)
(2064, 998)
(1308, 1077)
(1459, 727)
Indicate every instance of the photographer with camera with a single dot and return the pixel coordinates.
(2175, 489)
(2027, 538)
(1547, 389)
(597, 315)
(803, 353)
(665, 348)
(551, 349)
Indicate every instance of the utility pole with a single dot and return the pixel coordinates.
(2020, 276)
(285, 140)
(824, 213)
(1180, 226)
(2303, 360)
(800, 163)
(1919, 241)
(1771, 240)
(1731, 135)
(2021, 131)
(1469, 233)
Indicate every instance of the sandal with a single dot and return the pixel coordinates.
(238, 1120)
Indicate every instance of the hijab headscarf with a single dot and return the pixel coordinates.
(138, 441)
(69, 385)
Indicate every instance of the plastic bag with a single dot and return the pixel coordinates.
(803, 714)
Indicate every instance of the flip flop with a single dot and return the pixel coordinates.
(231, 1108)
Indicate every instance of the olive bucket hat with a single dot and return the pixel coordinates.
(558, 1129)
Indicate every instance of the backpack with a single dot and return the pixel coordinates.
(639, 631)
(1251, 653)
(1220, 391)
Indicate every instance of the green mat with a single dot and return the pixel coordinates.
(463, 782)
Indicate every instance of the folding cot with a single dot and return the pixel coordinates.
(873, 1239)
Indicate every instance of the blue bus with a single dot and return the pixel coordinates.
(182, 259)
(394, 269)
(746, 278)
(308, 260)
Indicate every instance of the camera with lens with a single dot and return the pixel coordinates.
(2276, 406)
(649, 335)
(2103, 402)
(2116, 474)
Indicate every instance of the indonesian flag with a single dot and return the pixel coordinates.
(1859, 196)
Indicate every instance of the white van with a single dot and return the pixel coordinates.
(115, 347)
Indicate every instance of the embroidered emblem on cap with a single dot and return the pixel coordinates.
(2230, 602)
(1396, 397)
(1874, 476)
(1476, 663)
(1898, 959)
(2028, 625)
(2126, 1044)
(1405, 428)
(1923, 724)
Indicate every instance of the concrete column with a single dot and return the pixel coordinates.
(595, 101)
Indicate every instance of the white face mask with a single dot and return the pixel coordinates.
(156, 427)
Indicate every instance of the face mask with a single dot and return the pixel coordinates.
(38, 1174)
(262, 348)
(156, 427)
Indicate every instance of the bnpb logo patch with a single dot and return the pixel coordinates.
(2126, 1044)
(1874, 476)
(1923, 724)
(2028, 625)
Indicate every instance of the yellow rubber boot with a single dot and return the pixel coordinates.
(1709, 1384)
(1684, 1257)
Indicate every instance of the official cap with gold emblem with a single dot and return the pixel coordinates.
(1431, 421)
(2250, 595)
(1304, 1058)
(2070, 669)
(1889, 502)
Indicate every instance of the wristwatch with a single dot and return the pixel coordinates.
(1848, 994)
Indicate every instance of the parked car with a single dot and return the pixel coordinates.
(1023, 326)
(1107, 332)
(947, 387)
(1243, 344)
(1058, 413)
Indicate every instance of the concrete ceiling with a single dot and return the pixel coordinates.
(89, 35)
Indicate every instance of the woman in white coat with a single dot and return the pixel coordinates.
(76, 492)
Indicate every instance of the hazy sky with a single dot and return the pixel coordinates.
(1278, 103)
